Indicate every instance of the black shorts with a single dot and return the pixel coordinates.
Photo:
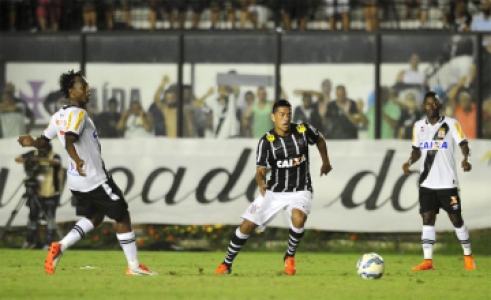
(433, 199)
(106, 199)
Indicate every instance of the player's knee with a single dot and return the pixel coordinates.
(429, 219)
(96, 219)
(123, 217)
(247, 227)
(457, 221)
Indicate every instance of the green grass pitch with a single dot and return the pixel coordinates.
(255, 276)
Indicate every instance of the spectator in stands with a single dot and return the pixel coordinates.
(391, 113)
(229, 6)
(89, 16)
(443, 6)
(461, 106)
(298, 9)
(13, 112)
(336, 9)
(168, 7)
(410, 113)
(256, 11)
(261, 112)
(246, 115)
(109, 11)
(370, 11)
(202, 116)
(225, 121)
(107, 121)
(51, 8)
(343, 116)
(459, 19)
(323, 99)
(307, 112)
(197, 6)
(482, 22)
(412, 76)
(134, 122)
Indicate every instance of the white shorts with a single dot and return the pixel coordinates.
(341, 7)
(264, 209)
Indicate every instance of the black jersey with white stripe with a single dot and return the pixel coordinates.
(288, 158)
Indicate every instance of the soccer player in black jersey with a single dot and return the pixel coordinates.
(285, 150)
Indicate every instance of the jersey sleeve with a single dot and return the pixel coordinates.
(457, 133)
(262, 155)
(415, 137)
(76, 122)
(313, 135)
(50, 131)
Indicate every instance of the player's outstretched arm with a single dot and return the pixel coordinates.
(70, 140)
(28, 141)
(415, 155)
(466, 151)
(326, 164)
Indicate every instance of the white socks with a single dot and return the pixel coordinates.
(78, 232)
(428, 238)
(463, 235)
(128, 243)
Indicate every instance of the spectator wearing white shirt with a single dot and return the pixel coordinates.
(482, 22)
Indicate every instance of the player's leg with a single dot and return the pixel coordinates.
(91, 218)
(428, 208)
(112, 203)
(259, 213)
(237, 241)
(298, 210)
(451, 203)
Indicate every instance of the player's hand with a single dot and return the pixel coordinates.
(405, 168)
(466, 166)
(26, 140)
(165, 80)
(325, 169)
(80, 164)
(262, 188)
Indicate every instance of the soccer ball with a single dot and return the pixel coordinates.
(370, 266)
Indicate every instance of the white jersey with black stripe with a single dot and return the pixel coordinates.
(72, 120)
(437, 144)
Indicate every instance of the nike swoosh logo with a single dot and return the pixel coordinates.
(277, 148)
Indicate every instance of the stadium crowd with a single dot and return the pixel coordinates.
(94, 15)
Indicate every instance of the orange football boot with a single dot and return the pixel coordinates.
(290, 268)
(426, 265)
(223, 269)
(469, 262)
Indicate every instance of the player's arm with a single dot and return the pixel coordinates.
(460, 138)
(74, 129)
(262, 156)
(326, 163)
(466, 151)
(415, 153)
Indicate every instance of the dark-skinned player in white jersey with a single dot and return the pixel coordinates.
(96, 193)
(285, 150)
(434, 139)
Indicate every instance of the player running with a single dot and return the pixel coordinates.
(94, 189)
(433, 140)
(285, 150)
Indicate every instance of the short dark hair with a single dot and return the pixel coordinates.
(431, 95)
(281, 103)
(113, 100)
(67, 80)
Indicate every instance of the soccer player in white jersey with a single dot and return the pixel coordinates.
(434, 139)
(285, 149)
(94, 189)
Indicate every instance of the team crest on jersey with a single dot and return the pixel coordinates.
(253, 209)
(301, 142)
(301, 128)
(441, 133)
(270, 137)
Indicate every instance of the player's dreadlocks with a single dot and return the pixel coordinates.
(67, 80)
